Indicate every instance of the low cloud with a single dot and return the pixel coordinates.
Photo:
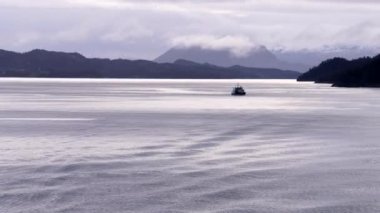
(237, 45)
(145, 29)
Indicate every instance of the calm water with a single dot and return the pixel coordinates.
(187, 146)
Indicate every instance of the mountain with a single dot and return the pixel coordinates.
(362, 72)
(42, 63)
(257, 57)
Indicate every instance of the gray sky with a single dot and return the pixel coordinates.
(147, 28)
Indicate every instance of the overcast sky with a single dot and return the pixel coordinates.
(146, 28)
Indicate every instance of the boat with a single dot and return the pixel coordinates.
(238, 91)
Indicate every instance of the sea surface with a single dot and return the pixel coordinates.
(103, 146)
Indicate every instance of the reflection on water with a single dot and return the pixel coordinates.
(83, 145)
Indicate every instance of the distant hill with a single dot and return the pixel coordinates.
(259, 57)
(315, 57)
(42, 63)
(362, 72)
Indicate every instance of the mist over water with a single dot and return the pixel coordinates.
(187, 146)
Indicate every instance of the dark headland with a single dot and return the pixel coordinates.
(362, 72)
(50, 64)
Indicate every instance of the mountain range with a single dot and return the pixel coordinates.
(42, 63)
(298, 60)
(256, 57)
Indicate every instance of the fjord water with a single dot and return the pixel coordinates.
(187, 146)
